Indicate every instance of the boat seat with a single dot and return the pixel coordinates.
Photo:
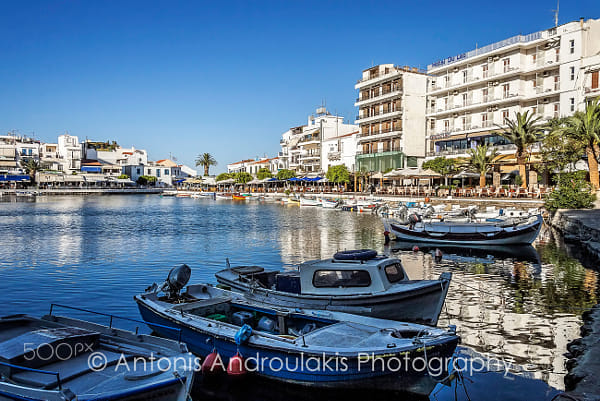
(67, 369)
(202, 303)
(341, 334)
(247, 269)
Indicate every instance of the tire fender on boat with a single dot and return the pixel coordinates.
(358, 254)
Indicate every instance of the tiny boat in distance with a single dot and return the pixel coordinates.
(360, 282)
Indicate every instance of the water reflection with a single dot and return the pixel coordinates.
(520, 304)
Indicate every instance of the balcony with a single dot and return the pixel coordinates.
(387, 94)
(373, 153)
(378, 116)
(591, 91)
(334, 155)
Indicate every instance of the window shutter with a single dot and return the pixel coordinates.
(595, 79)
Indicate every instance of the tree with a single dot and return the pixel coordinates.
(285, 174)
(123, 177)
(146, 180)
(31, 167)
(223, 176)
(481, 161)
(338, 174)
(206, 160)
(572, 192)
(584, 127)
(523, 131)
(559, 151)
(263, 173)
(242, 177)
(442, 166)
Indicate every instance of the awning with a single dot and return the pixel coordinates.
(73, 178)
(8, 163)
(91, 169)
(14, 178)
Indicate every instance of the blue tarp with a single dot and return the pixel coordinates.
(179, 181)
(11, 177)
(91, 169)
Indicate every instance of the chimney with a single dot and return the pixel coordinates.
(581, 22)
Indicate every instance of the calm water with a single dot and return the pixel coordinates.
(521, 306)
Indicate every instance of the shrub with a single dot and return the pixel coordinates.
(573, 192)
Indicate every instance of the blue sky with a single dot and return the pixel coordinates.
(223, 77)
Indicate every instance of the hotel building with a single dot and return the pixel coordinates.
(549, 73)
(392, 103)
(302, 146)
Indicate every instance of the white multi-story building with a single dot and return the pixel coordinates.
(302, 146)
(340, 150)
(114, 154)
(391, 102)
(469, 96)
(239, 167)
(69, 151)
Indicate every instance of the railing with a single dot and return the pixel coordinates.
(374, 152)
(44, 372)
(487, 49)
(112, 317)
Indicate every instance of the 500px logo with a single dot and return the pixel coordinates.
(52, 352)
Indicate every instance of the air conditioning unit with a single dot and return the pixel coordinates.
(455, 69)
(546, 73)
(455, 92)
(496, 58)
(490, 84)
(495, 108)
(490, 59)
(455, 115)
(496, 83)
(546, 100)
(489, 109)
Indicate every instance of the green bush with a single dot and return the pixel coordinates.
(123, 177)
(518, 180)
(573, 192)
(146, 180)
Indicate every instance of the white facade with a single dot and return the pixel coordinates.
(340, 150)
(69, 151)
(392, 104)
(302, 147)
(188, 171)
(118, 156)
(239, 167)
(471, 95)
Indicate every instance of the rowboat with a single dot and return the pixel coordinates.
(293, 345)
(329, 203)
(59, 358)
(502, 232)
(360, 282)
(309, 202)
(238, 197)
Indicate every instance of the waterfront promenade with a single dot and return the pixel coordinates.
(83, 191)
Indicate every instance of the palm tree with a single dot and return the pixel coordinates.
(523, 131)
(481, 161)
(584, 127)
(206, 160)
(31, 167)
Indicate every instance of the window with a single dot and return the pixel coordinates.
(432, 124)
(504, 115)
(556, 110)
(556, 82)
(464, 99)
(484, 94)
(485, 70)
(572, 69)
(484, 119)
(595, 79)
(446, 125)
(394, 273)
(505, 90)
(506, 63)
(572, 46)
(138, 171)
(572, 102)
(557, 57)
(166, 171)
(464, 73)
(341, 278)
(158, 172)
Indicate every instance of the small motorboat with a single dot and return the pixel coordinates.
(309, 202)
(59, 358)
(292, 345)
(360, 282)
(498, 232)
(223, 196)
(329, 203)
(238, 197)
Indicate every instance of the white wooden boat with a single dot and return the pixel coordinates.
(502, 232)
(59, 358)
(309, 202)
(352, 281)
(329, 203)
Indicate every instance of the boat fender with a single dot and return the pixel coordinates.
(415, 248)
(438, 255)
(386, 235)
(212, 363)
(236, 367)
(358, 254)
(243, 334)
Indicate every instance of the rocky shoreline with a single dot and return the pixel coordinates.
(583, 364)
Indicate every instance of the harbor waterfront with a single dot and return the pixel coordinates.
(518, 308)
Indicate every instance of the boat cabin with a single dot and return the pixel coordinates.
(329, 276)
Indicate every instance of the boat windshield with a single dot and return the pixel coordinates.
(341, 278)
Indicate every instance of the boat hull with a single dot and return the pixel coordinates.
(420, 304)
(310, 369)
(525, 235)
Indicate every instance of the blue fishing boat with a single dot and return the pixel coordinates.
(307, 347)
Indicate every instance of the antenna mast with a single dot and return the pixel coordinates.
(556, 13)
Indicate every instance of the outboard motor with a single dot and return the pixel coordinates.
(177, 279)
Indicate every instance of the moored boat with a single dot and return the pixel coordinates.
(358, 282)
(329, 203)
(237, 197)
(60, 358)
(309, 202)
(502, 232)
(292, 345)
